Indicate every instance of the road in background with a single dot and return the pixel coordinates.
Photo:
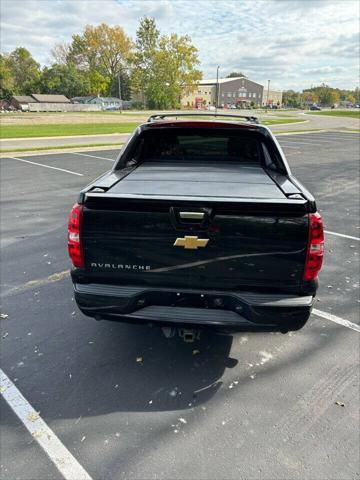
(251, 405)
(308, 122)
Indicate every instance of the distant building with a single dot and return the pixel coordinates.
(273, 97)
(203, 95)
(106, 103)
(45, 98)
(236, 91)
(38, 102)
(84, 99)
(50, 103)
(4, 104)
(20, 102)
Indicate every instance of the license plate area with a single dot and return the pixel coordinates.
(188, 300)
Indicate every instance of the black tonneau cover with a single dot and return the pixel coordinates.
(182, 179)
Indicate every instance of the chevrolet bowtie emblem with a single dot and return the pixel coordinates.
(191, 243)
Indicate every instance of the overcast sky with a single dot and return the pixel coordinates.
(295, 43)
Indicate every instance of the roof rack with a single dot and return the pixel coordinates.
(161, 116)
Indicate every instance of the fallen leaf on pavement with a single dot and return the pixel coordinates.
(33, 416)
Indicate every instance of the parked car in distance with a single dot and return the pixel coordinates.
(315, 107)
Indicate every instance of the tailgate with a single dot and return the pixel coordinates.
(194, 243)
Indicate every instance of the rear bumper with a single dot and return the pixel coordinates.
(235, 310)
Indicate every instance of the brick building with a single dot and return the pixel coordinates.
(236, 91)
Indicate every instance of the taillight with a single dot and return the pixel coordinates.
(315, 250)
(74, 236)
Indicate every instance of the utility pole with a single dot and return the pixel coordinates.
(268, 92)
(217, 90)
(119, 87)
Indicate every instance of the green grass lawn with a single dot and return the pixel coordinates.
(58, 130)
(66, 129)
(338, 113)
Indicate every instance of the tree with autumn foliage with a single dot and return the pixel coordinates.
(309, 97)
(104, 52)
(156, 66)
(163, 66)
(325, 94)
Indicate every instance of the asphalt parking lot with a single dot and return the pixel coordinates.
(254, 405)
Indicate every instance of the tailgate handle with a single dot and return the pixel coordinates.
(193, 218)
(192, 215)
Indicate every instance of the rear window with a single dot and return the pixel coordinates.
(197, 145)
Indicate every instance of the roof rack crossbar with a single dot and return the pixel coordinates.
(161, 116)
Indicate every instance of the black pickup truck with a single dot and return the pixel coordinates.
(199, 222)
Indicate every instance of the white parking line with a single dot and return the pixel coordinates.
(93, 156)
(309, 132)
(64, 461)
(288, 146)
(318, 143)
(334, 318)
(342, 235)
(332, 137)
(47, 166)
(336, 141)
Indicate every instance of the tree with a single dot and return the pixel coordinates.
(99, 83)
(103, 51)
(309, 97)
(291, 98)
(147, 39)
(25, 71)
(7, 85)
(357, 94)
(125, 86)
(61, 53)
(326, 95)
(174, 63)
(164, 65)
(334, 97)
(235, 74)
(66, 80)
